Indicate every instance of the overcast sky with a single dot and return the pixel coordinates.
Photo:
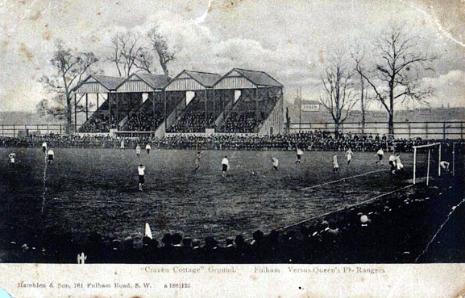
(291, 40)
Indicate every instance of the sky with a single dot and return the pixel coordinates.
(293, 40)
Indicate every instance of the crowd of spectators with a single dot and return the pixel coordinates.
(243, 118)
(197, 116)
(194, 122)
(149, 116)
(240, 122)
(99, 122)
(61, 141)
(310, 141)
(249, 113)
(172, 248)
(145, 119)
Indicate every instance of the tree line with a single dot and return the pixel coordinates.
(392, 77)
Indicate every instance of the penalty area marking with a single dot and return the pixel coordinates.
(347, 207)
(342, 179)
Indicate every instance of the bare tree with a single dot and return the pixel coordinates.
(127, 53)
(288, 120)
(363, 102)
(130, 52)
(69, 69)
(396, 73)
(338, 97)
(160, 45)
(144, 61)
(363, 92)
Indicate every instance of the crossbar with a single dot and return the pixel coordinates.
(426, 145)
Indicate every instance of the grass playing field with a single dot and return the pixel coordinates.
(95, 190)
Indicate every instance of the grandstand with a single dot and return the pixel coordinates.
(200, 108)
(129, 103)
(257, 105)
(105, 115)
(242, 101)
(150, 113)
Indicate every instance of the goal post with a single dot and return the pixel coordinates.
(426, 156)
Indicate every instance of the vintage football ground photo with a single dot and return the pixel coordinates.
(232, 132)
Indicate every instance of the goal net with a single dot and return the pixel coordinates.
(426, 162)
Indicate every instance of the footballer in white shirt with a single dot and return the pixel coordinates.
(444, 165)
(275, 163)
(51, 155)
(335, 164)
(380, 154)
(399, 165)
(299, 154)
(12, 158)
(141, 172)
(392, 162)
(224, 166)
(349, 154)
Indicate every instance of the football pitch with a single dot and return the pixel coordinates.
(96, 190)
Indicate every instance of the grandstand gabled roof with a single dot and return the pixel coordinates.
(153, 80)
(188, 80)
(143, 83)
(111, 83)
(206, 79)
(108, 82)
(258, 78)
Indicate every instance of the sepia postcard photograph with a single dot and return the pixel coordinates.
(232, 148)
